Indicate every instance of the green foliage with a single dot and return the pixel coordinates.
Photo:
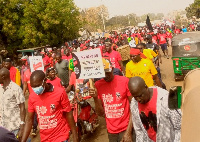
(32, 23)
(193, 9)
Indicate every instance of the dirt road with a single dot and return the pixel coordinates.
(101, 133)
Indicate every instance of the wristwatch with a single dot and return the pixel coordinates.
(22, 122)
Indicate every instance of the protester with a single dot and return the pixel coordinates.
(138, 66)
(46, 60)
(52, 78)
(14, 72)
(163, 43)
(67, 56)
(53, 111)
(23, 68)
(114, 57)
(62, 68)
(12, 107)
(152, 119)
(111, 98)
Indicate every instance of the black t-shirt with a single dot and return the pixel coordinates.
(153, 47)
(6, 136)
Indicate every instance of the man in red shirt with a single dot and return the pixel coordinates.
(163, 43)
(53, 111)
(111, 98)
(46, 61)
(114, 57)
(14, 72)
(67, 56)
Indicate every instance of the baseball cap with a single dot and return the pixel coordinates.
(134, 51)
(107, 65)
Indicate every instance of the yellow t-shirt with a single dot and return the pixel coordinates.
(144, 69)
(150, 54)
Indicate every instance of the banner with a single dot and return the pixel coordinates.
(36, 63)
(88, 64)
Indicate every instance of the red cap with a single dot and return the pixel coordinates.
(134, 51)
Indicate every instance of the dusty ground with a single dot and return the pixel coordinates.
(101, 133)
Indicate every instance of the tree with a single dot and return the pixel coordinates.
(193, 9)
(49, 22)
(32, 23)
(93, 17)
(10, 13)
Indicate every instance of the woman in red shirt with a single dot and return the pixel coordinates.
(52, 78)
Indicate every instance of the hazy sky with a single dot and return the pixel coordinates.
(139, 7)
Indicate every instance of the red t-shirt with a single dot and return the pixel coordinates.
(162, 38)
(50, 108)
(46, 60)
(13, 72)
(27, 75)
(55, 82)
(148, 109)
(154, 39)
(67, 57)
(114, 57)
(169, 35)
(114, 97)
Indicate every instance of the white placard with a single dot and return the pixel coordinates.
(36, 63)
(88, 64)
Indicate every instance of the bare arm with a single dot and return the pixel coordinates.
(98, 105)
(25, 87)
(22, 117)
(157, 80)
(121, 65)
(28, 126)
(69, 87)
(71, 122)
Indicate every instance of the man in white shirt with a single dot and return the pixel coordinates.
(12, 108)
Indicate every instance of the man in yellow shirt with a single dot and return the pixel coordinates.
(144, 68)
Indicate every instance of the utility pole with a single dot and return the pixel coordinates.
(104, 27)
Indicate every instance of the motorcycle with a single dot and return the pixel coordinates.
(84, 114)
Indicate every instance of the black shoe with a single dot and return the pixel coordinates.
(167, 56)
(34, 132)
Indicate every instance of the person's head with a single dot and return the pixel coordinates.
(135, 55)
(141, 46)
(139, 89)
(51, 73)
(4, 75)
(67, 51)
(38, 82)
(7, 63)
(108, 47)
(109, 76)
(58, 57)
(149, 38)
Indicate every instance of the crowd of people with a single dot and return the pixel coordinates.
(132, 97)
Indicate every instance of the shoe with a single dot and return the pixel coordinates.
(167, 56)
(34, 132)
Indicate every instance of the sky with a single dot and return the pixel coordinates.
(139, 7)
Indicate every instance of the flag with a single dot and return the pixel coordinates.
(148, 22)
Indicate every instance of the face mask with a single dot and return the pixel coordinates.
(39, 90)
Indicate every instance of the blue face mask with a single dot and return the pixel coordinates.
(39, 90)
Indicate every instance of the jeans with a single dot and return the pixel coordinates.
(118, 137)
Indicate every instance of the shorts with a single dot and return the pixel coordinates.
(164, 46)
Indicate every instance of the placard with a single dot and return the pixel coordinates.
(88, 64)
(36, 63)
